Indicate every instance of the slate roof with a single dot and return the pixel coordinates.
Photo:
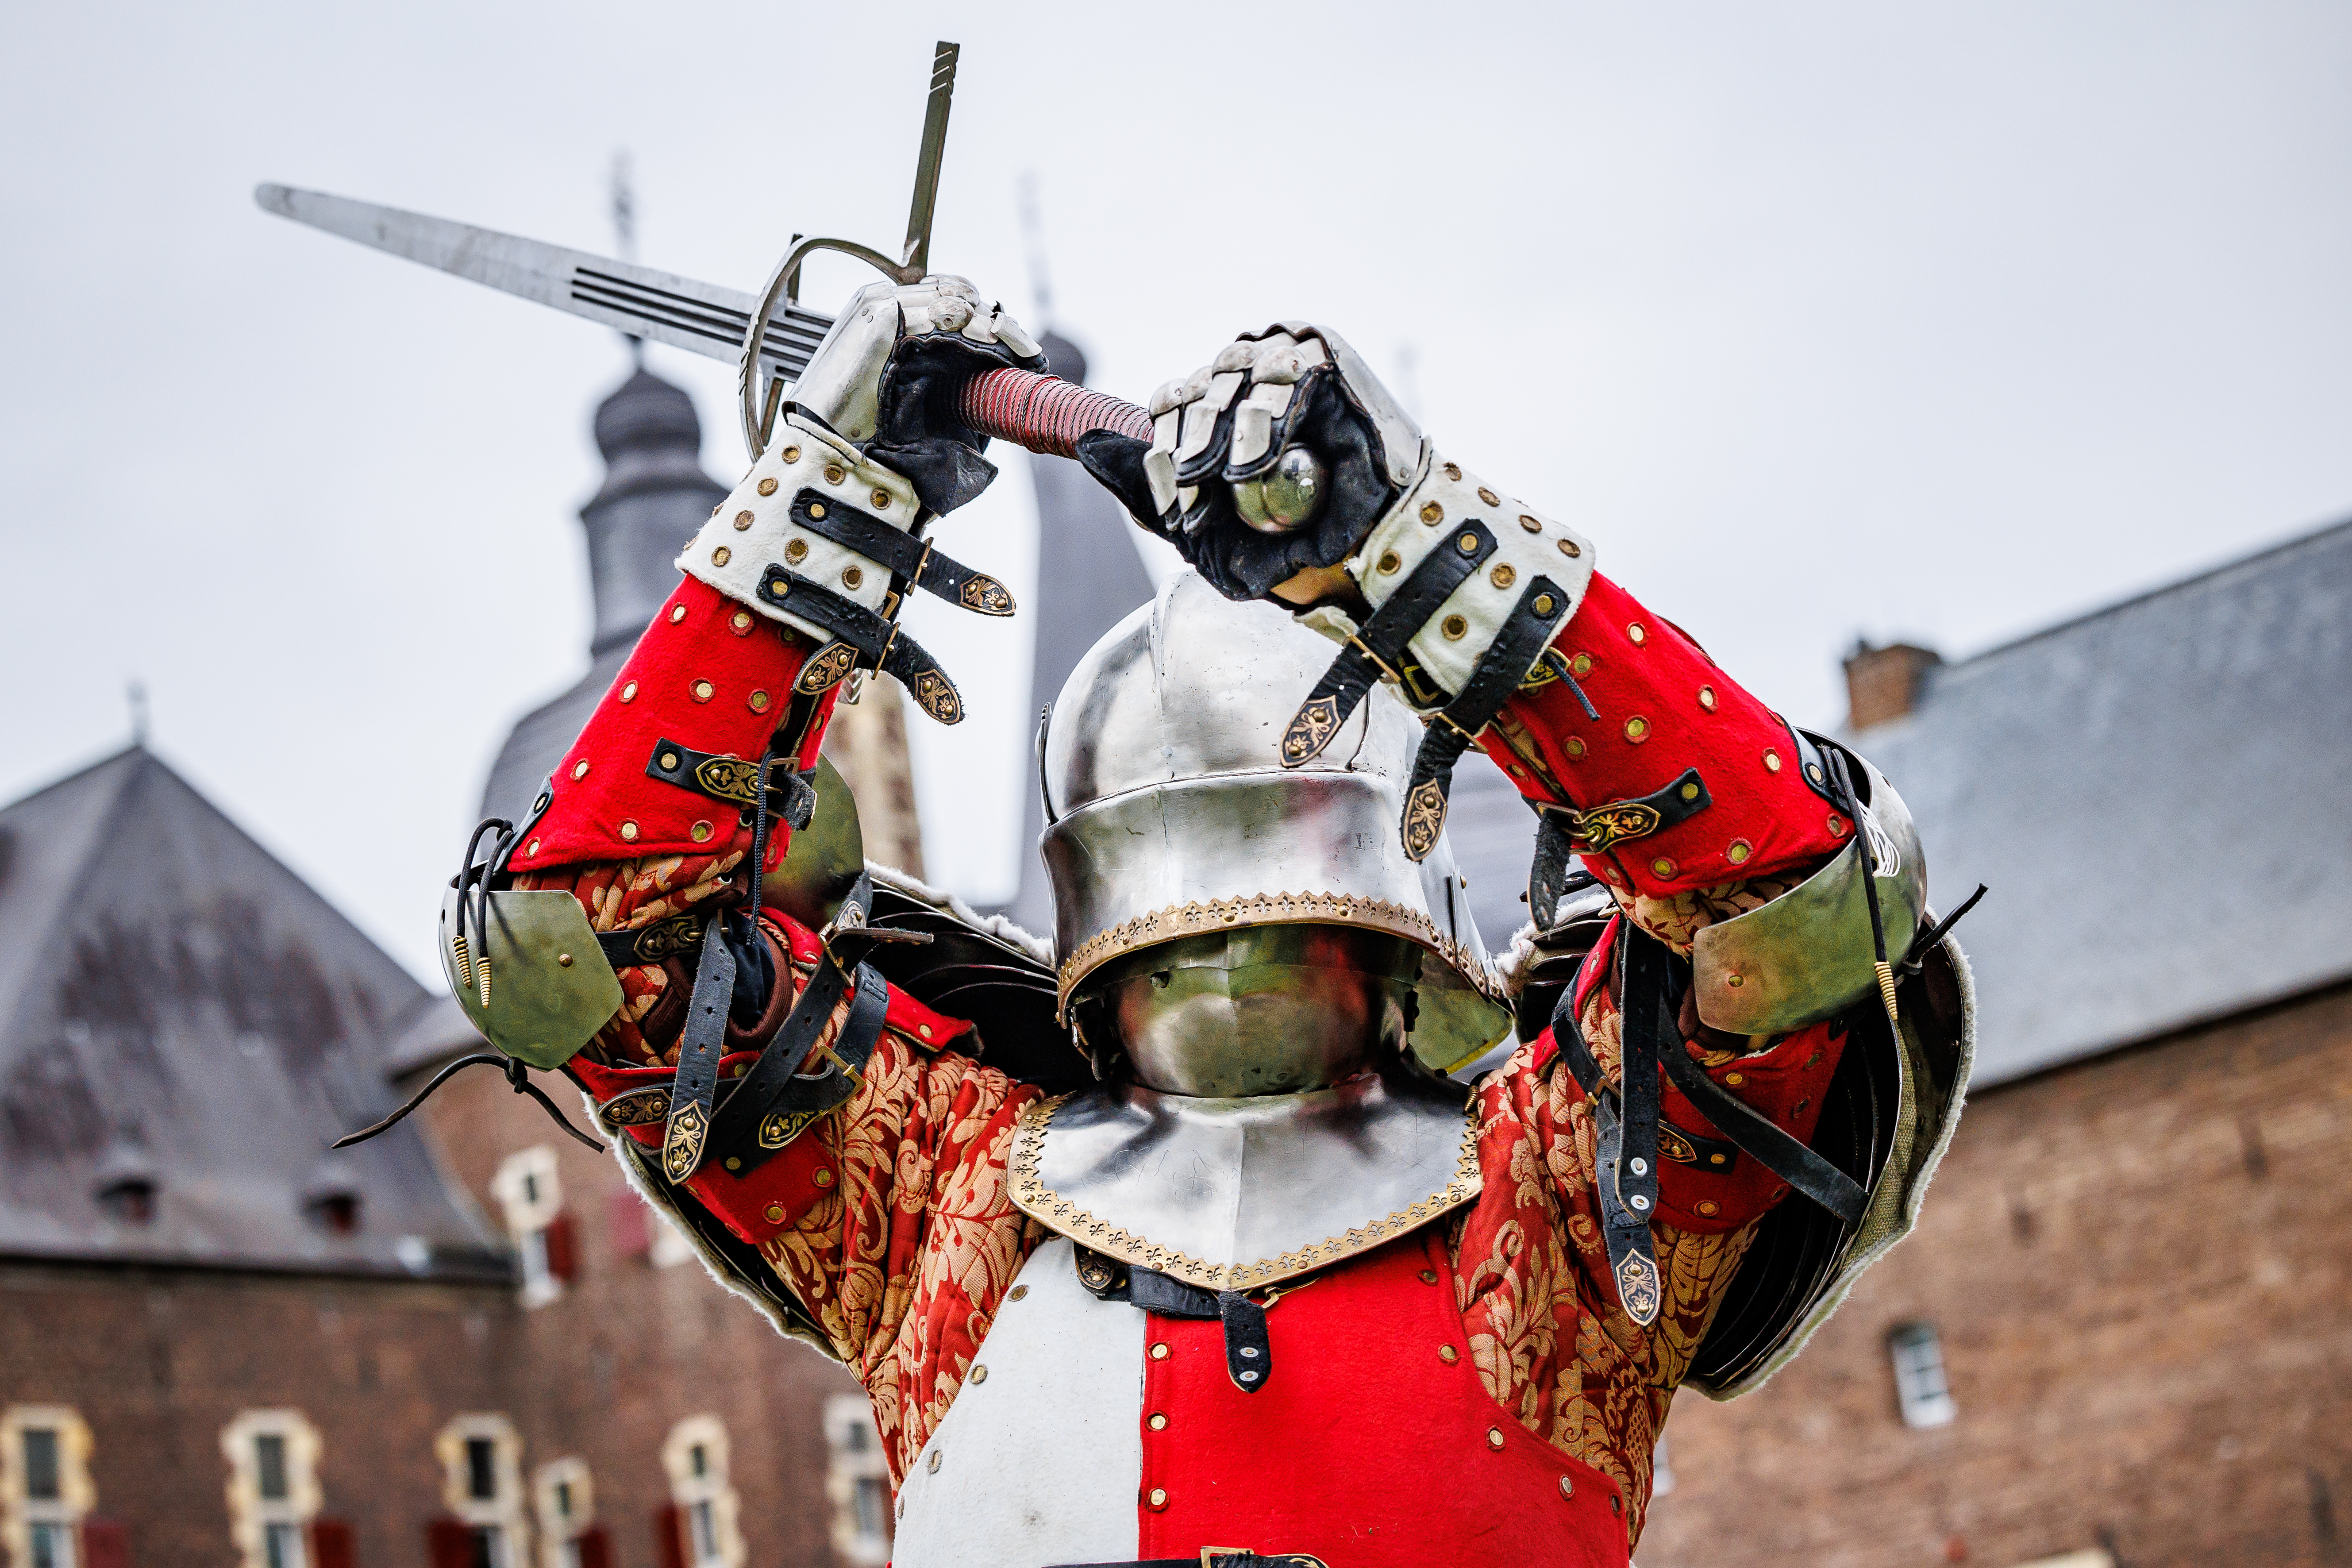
(2157, 794)
(175, 1003)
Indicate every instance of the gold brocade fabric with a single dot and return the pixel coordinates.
(902, 1262)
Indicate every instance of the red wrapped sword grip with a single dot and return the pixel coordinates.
(1044, 412)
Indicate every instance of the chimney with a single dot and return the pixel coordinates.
(1884, 683)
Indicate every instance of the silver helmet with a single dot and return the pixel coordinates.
(1172, 830)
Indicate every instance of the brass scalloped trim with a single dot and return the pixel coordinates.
(1270, 909)
(1032, 1196)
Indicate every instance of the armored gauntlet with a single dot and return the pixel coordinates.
(827, 531)
(1285, 455)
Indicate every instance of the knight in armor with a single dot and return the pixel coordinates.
(1261, 1215)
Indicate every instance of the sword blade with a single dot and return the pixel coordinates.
(701, 317)
(917, 254)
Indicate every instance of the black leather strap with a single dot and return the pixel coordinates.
(1654, 971)
(1530, 625)
(1632, 1257)
(698, 1050)
(671, 938)
(1565, 832)
(723, 776)
(915, 560)
(769, 1105)
(1377, 648)
(789, 1100)
(1249, 1354)
(1649, 1033)
(874, 642)
(1249, 1351)
(1772, 1146)
(1720, 1156)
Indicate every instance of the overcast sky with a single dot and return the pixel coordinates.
(1932, 320)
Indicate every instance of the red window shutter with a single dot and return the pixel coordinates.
(669, 1537)
(595, 1549)
(105, 1545)
(448, 1543)
(562, 1256)
(628, 1223)
(330, 1544)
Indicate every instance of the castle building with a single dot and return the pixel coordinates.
(2122, 1335)
(463, 1343)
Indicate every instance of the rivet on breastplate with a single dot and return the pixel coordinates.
(1158, 1499)
(1017, 1292)
(933, 1467)
(1159, 1351)
(1568, 1486)
(1493, 1438)
(980, 1374)
(1159, 1422)
(1429, 1275)
(1448, 1355)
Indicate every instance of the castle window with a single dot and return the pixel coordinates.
(567, 1516)
(481, 1487)
(273, 1488)
(696, 1459)
(531, 1197)
(857, 1482)
(1921, 1391)
(45, 1486)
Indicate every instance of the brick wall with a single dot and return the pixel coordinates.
(157, 1361)
(632, 1348)
(2141, 1271)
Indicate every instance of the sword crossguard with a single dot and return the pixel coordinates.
(758, 403)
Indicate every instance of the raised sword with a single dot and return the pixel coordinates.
(1039, 412)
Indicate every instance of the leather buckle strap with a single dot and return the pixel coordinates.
(1376, 648)
(723, 776)
(698, 1050)
(1632, 1257)
(771, 1104)
(1524, 634)
(1249, 1352)
(1719, 1155)
(870, 639)
(637, 1108)
(767, 1109)
(915, 560)
(1773, 1148)
(1602, 828)
(1565, 831)
(1650, 992)
(671, 938)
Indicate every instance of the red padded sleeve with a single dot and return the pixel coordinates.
(707, 674)
(1666, 706)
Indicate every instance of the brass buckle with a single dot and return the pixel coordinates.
(1598, 831)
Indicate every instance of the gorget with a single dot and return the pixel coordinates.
(1229, 1195)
